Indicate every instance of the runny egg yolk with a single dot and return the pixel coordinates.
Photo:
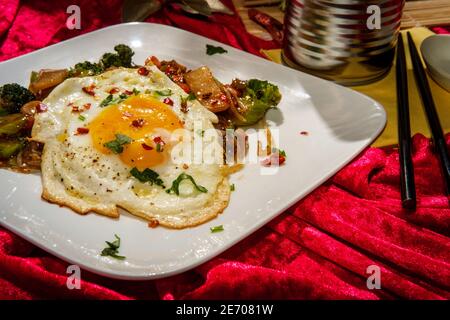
(144, 120)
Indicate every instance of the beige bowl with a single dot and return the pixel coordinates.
(436, 53)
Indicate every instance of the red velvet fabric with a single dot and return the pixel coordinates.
(319, 249)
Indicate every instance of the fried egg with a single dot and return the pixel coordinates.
(98, 130)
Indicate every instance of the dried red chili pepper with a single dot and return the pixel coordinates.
(272, 25)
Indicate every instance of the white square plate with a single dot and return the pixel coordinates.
(340, 122)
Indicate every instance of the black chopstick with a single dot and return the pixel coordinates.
(407, 185)
(430, 110)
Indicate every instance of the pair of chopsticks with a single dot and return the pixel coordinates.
(408, 189)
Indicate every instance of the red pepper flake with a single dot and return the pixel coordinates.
(138, 123)
(86, 106)
(143, 71)
(153, 223)
(90, 90)
(147, 147)
(82, 131)
(158, 140)
(128, 92)
(185, 87)
(159, 144)
(168, 101)
(272, 160)
(304, 133)
(75, 108)
(113, 90)
(41, 107)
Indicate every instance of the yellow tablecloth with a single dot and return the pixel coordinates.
(384, 91)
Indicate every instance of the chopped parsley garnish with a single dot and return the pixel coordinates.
(176, 184)
(158, 147)
(232, 187)
(107, 101)
(136, 91)
(111, 100)
(200, 132)
(113, 249)
(116, 146)
(189, 97)
(210, 50)
(216, 229)
(148, 175)
(164, 93)
(81, 117)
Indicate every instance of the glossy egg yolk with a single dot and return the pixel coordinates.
(144, 120)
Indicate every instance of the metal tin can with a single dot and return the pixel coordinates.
(340, 40)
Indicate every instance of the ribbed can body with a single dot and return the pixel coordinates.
(342, 40)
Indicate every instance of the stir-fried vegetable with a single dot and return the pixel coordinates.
(12, 97)
(254, 97)
(210, 92)
(13, 130)
(122, 58)
(9, 148)
(46, 79)
(84, 69)
(18, 106)
(240, 104)
(13, 124)
(172, 69)
(42, 82)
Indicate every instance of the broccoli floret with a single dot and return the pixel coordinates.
(122, 58)
(263, 91)
(13, 97)
(85, 68)
(258, 96)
